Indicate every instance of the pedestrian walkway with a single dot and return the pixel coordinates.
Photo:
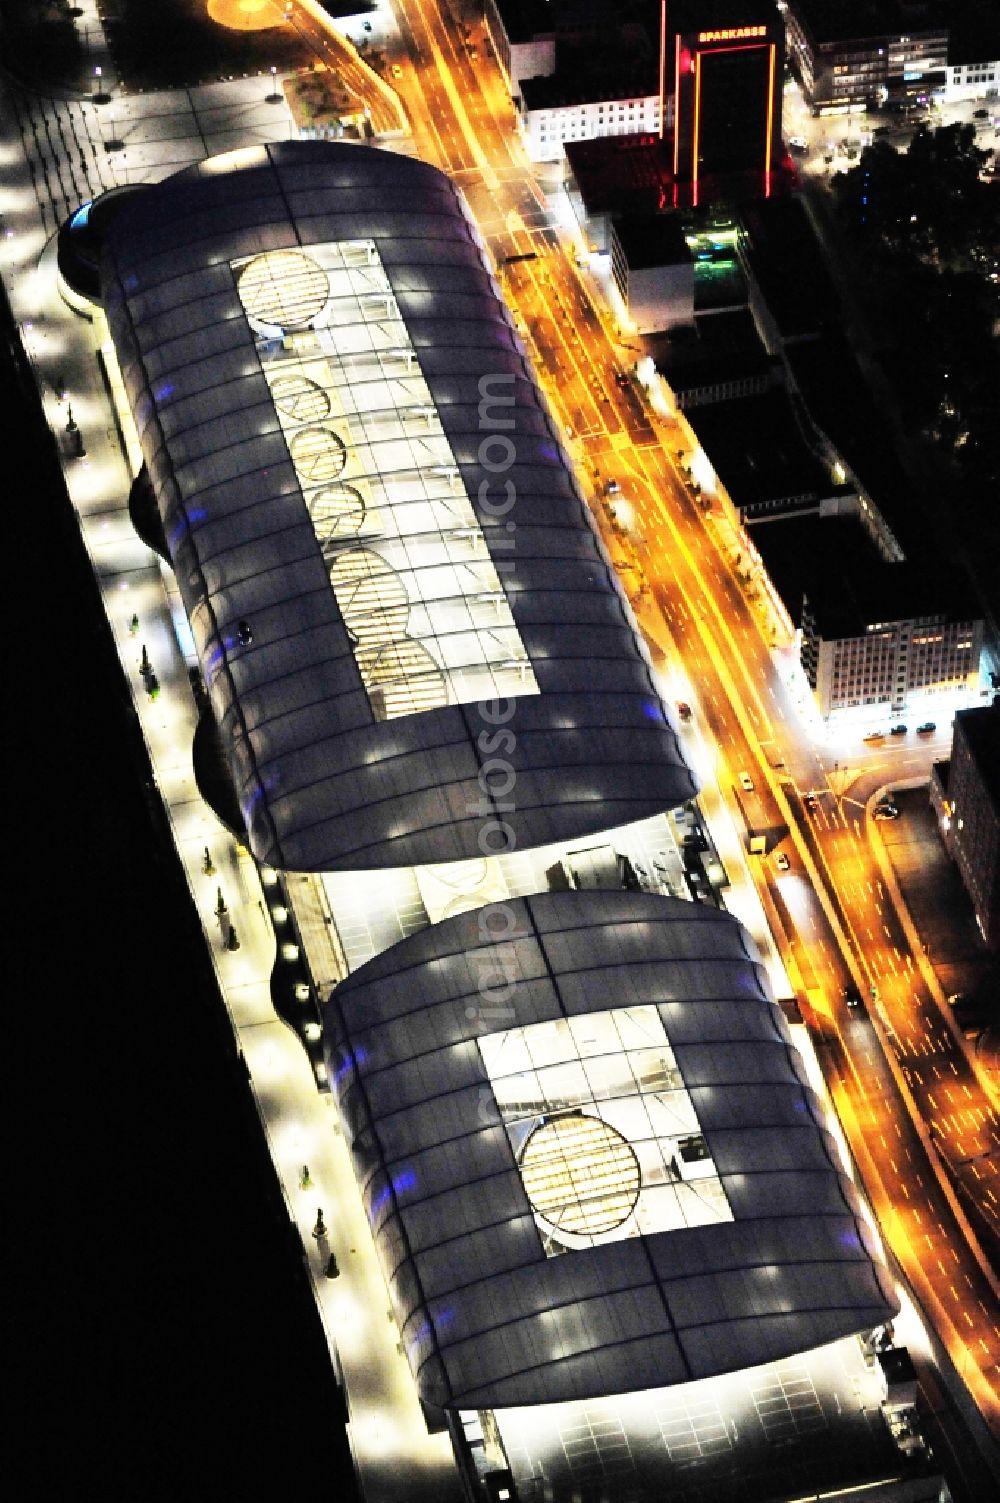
(398, 1460)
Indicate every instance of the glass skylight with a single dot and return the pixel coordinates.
(605, 1135)
(413, 577)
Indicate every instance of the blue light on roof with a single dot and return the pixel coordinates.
(80, 218)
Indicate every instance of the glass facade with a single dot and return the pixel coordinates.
(382, 550)
(574, 1076)
(588, 1152)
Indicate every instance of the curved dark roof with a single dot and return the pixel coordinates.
(745, 1243)
(319, 694)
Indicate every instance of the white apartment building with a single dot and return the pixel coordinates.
(551, 115)
(972, 81)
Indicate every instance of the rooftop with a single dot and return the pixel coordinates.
(311, 340)
(974, 35)
(840, 402)
(980, 729)
(788, 266)
(756, 448)
(634, 175)
(651, 240)
(844, 20)
(613, 1176)
(727, 347)
(587, 85)
(849, 586)
(525, 19)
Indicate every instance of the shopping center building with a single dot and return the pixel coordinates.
(590, 1154)
(373, 524)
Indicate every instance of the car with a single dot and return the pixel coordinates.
(852, 998)
(897, 730)
(397, 71)
(781, 861)
(874, 736)
(927, 727)
(980, 114)
(746, 782)
(812, 803)
(612, 487)
(886, 811)
(621, 378)
(683, 709)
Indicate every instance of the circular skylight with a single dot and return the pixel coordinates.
(318, 454)
(299, 399)
(371, 595)
(337, 511)
(402, 678)
(284, 288)
(580, 1175)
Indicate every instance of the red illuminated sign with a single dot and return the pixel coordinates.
(732, 34)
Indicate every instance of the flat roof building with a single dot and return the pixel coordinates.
(873, 633)
(377, 536)
(653, 269)
(969, 813)
(867, 52)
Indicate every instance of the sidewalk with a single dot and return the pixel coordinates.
(396, 1457)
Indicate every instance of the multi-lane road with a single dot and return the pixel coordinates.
(898, 1072)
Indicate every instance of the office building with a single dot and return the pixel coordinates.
(723, 61)
(965, 792)
(566, 108)
(863, 54)
(874, 634)
(653, 270)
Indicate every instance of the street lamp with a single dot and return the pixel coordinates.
(275, 95)
(100, 94)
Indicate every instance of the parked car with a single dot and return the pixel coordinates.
(927, 727)
(897, 730)
(980, 114)
(886, 811)
(874, 736)
(782, 862)
(746, 782)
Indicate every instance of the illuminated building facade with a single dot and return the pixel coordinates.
(373, 524)
(854, 660)
(555, 111)
(589, 1155)
(722, 61)
(865, 53)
